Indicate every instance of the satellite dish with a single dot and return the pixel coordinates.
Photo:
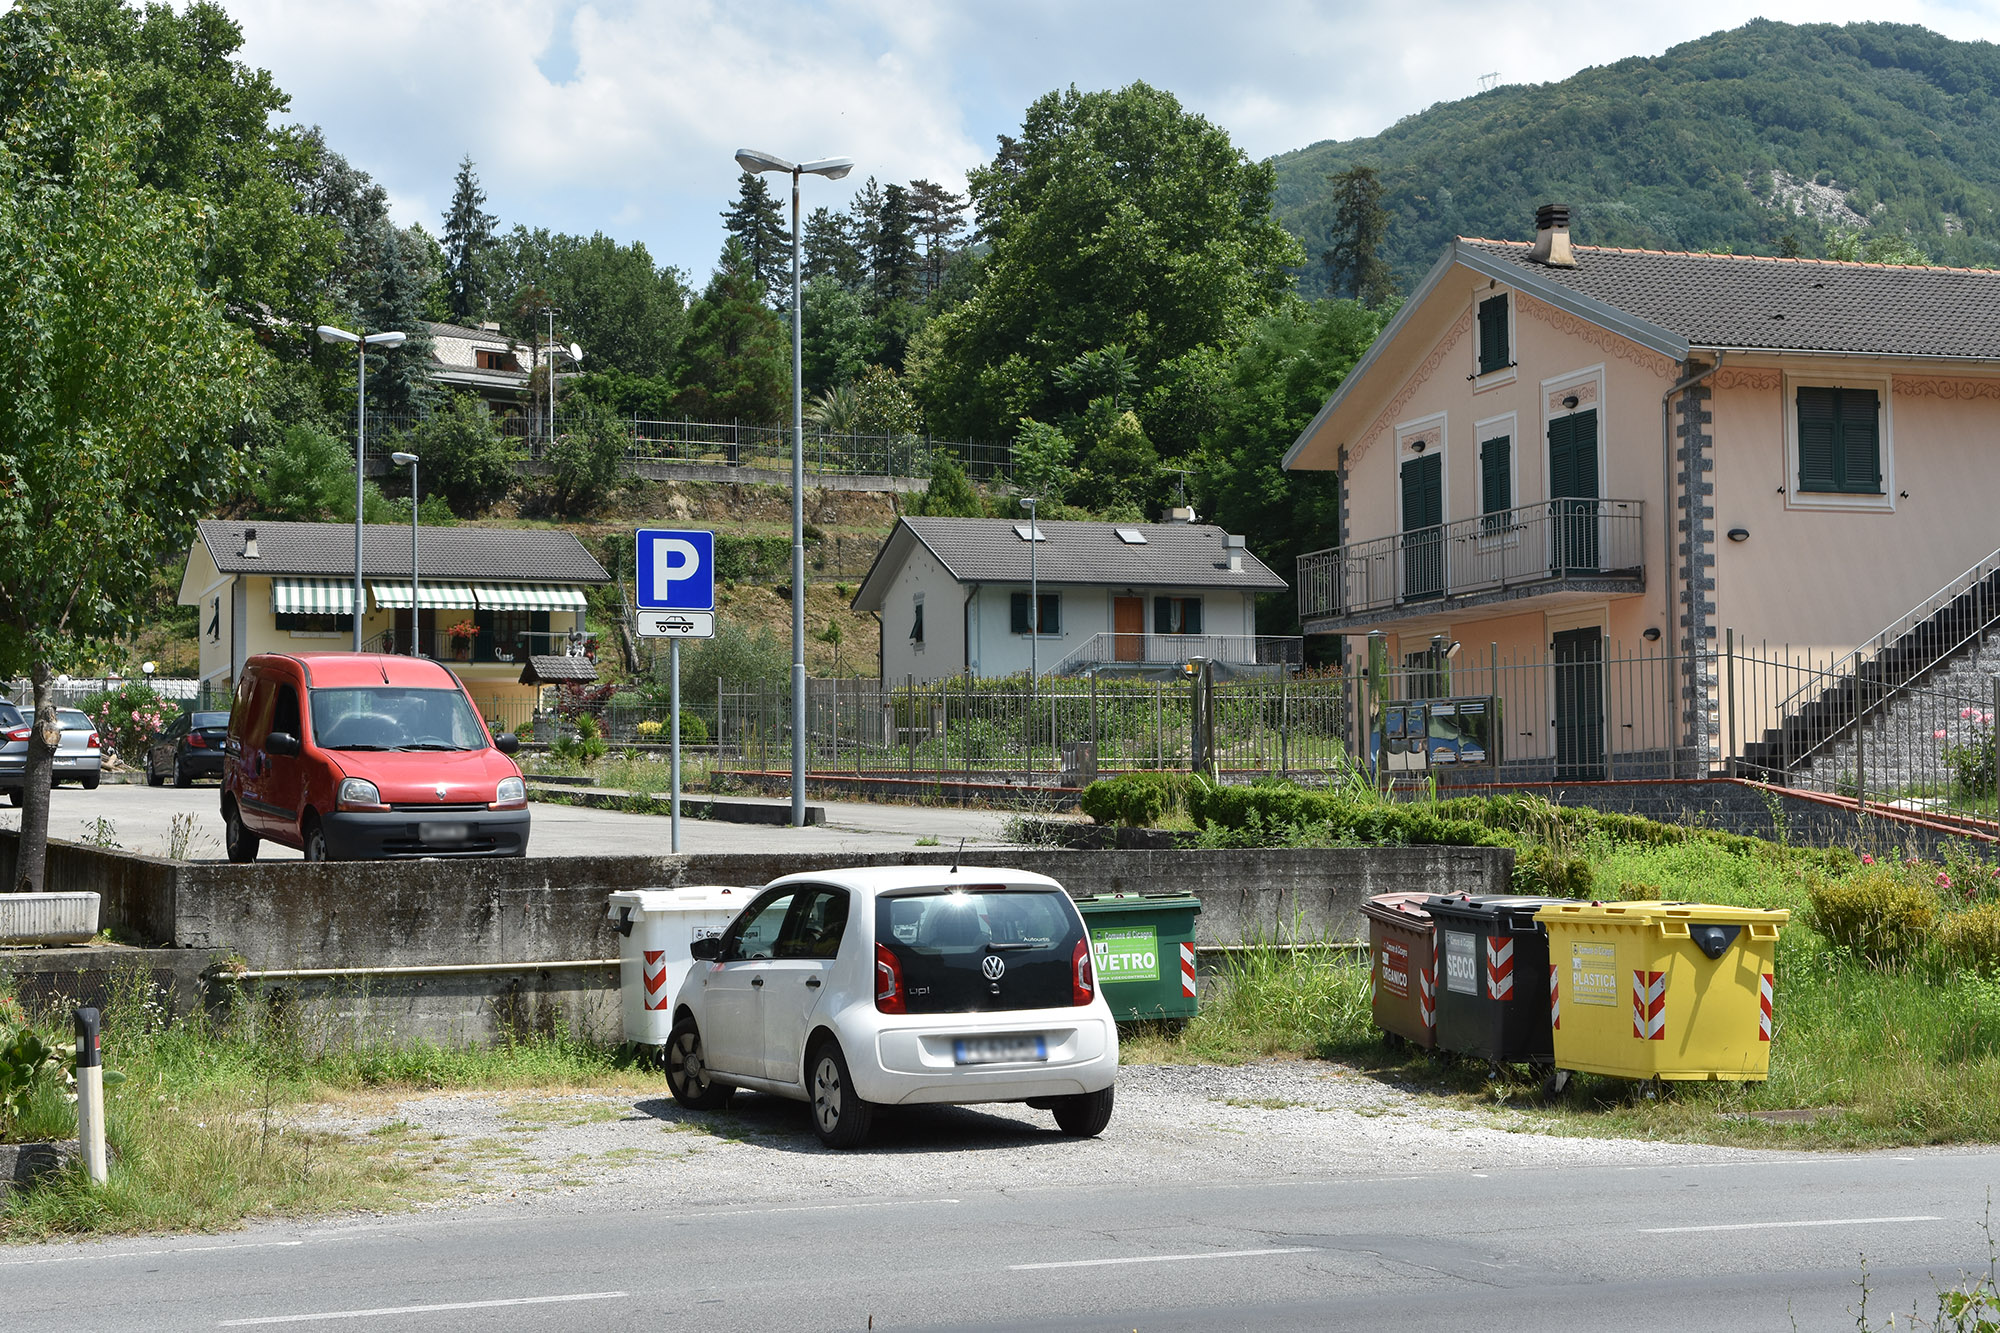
(575, 352)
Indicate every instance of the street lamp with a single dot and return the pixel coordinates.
(833, 168)
(329, 334)
(410, 461)
(1034, 629)
(575, 354)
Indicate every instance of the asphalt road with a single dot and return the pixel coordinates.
(141, 819)
(1775, 1243)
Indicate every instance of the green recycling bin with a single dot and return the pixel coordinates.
(1143, 948)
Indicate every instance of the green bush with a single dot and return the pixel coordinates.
(1969, 941)
(650, 731)
(1878, 914)
(1543, 871)
(694, 729)
(1135, 800)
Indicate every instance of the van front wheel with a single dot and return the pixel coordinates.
(239, 842)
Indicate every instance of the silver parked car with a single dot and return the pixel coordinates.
(78, 758)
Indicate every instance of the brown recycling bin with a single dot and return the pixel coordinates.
(1402, 965)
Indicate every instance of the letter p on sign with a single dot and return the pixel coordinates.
(676, 569)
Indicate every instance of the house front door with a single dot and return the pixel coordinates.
(1573, 492)
(1423, 531)
(1128, 629)
(1579, 719)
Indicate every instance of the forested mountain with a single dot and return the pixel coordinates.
(1769, 138)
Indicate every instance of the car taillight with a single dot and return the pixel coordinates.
(1083, 977)
(18, 733)
(196, 741)
(92, 742)
(888, 981)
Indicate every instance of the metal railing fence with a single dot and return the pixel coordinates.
(1107, 648)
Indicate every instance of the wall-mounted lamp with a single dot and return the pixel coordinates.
(1417, 446)
(1902, 495)
(1652, 634)
(1571, 402)
(1739, 534)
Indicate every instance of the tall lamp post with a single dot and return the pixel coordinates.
(1034, 629)
(833, 168)
(329, 334)
(410, 461)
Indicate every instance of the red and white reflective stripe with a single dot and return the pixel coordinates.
(655, 969)
(1427, 991)
(1499, 967)
(1555, 1002)
(1187, 970)
(1764, 1004)
(1649, 1006)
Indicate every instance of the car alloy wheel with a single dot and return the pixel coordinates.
(181, 779)
(687, 1070)
(840, 1117)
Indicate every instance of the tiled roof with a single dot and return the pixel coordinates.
(988, 550)
(542, 670)
(1794, 305)
(478, 555)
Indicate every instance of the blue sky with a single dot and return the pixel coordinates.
(622, 117)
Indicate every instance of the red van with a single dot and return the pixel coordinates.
(361, 756)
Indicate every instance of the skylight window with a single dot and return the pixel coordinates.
(1132, 536)
(1030, 534)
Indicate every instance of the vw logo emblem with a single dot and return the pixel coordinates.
(993, 965)
(441, 789)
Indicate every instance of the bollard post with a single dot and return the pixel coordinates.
(90, 1094)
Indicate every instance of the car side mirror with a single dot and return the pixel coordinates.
(706, 950)
(507, 742)
(281, 743)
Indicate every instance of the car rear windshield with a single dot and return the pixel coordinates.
(199, 721)
(71, 719)
(392, 717)
(942, 939)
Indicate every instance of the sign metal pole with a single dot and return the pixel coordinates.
(674, 665)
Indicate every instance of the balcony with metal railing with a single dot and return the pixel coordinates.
(1551, 552)
(486, 648)
(1109, 650)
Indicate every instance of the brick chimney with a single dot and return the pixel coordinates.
(1552, 237)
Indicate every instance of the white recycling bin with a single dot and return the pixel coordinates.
(658, 925)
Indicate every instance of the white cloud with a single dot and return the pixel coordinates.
(636, 138)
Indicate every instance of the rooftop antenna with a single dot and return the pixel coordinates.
(1489, 81)
(1180, 475)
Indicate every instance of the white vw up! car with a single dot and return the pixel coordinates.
(852, 989)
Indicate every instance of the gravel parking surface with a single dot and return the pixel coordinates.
(1194, 1124)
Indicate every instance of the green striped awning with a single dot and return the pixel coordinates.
(435, 596)
(314, 597)
(529, 597)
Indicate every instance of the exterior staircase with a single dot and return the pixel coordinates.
(1817, 721)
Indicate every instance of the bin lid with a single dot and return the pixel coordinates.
(1649, 912)
(1126, 902)
(1517, 909)
(1404, 908)
(691, 898)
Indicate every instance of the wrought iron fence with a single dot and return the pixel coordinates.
(981, 731)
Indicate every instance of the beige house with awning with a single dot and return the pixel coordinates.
(489, 599)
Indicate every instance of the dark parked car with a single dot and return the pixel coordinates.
(190, 748)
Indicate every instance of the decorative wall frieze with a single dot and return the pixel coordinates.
(1584, 391)
(1950, 390)
(1424, 370)
(1763, 378)
(1611, 344)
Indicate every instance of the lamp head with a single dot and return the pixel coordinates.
(402, 459)
(392, 339)
(754, 160)
(329, 334)
(833, 168)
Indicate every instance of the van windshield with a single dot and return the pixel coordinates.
(391, 717)
(942, 939)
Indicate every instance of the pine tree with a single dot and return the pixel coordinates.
(1354, 262)
(398, 379)
(831, 248)
(755, 223)
(468, 234)
(738, 363)
(938, 216)
(892, 255)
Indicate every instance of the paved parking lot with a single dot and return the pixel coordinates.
(141, 819)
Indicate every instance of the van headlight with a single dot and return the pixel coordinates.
(359, 794)
(511, 793)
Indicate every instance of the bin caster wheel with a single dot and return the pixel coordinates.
(1556, 1082)
(1392, 1040)
(1648, 1090)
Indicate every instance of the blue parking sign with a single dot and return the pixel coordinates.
(676, 569)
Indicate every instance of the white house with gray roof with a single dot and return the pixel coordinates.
(953, 595)
(262, 586)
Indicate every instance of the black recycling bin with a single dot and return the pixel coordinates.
(1493, 978)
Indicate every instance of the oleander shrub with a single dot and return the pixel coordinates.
(1878, 914)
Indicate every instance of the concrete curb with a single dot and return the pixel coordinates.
(721, 809)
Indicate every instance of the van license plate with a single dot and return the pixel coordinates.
(438, 833)
(998, 1050)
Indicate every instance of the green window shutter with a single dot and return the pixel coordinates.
(1496, 475)
(1051, 614)
(1191, 615)
(1018, 613)
(1860, 459)
(1493, 335)
(1423, 492)
(1163, 615)
(1819, 439)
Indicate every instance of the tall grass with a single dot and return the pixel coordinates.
(1308, 1001)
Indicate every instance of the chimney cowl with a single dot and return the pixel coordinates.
(1232, 549)
(1552, 237)
(1181, 514)
(250, 544)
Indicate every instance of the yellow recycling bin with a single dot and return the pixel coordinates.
(1662, 990)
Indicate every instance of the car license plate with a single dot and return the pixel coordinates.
(436, 833)
(998, 1050)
